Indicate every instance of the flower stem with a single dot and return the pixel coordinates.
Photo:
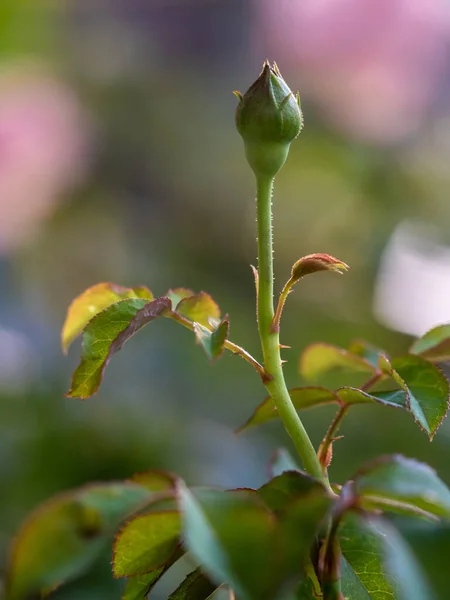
(270, 340)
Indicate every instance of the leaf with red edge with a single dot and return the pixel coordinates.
(176, 295)
(319, 359)
(313, 263)
(64, 536)
(92, 301)
(199, 308)
(146, 542)
(105, 335)
(434, 344)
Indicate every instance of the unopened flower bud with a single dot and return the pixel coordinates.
(269, 118)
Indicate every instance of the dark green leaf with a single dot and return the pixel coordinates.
(146, 542)
(91, 302)
(407, 481)
(199, 308)
(105, 335)
(434, 345)
(280, 491)
(233, 537)
(382, 560)
(212, 342)
(352, 586)
(282, 461)
(394, 398)
(431, 544)
(63, 537)
(427, 390)
(195, 587)
(319, 359)
(310, 397)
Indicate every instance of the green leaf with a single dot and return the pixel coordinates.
(305, 591)
(280, 491)
(233, 537)
(302, 398)
(105, 335)
(212, 342)
(392, 398)
(178, 294)
(199, 308)
(382, 561)
(430, 542)
(427, 390)
(282, 461)
(311, 397)
(139, 586)
(195, 587)
(64, 536)
(313, 263)
(367, 351)
(91, 302)
(146, 542)
(407, 481)
(156, 481)
(434, 344)
(352, 586)
(319, 359)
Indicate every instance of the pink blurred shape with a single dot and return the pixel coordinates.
(372, 65)
(44, 142)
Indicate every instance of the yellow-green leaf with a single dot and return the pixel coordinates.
(91, 302)
(146, 542)
(319, 359)
(199, 308)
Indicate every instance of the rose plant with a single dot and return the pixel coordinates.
(299, 536)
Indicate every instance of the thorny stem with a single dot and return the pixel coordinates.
(325, 446)
(270, 341)
(234, 348)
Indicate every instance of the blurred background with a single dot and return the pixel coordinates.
(119, 161)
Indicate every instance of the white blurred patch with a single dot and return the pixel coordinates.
(412, 291)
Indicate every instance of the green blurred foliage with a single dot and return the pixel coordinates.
(167, 200)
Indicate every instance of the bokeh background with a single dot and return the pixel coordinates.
(119, 161)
